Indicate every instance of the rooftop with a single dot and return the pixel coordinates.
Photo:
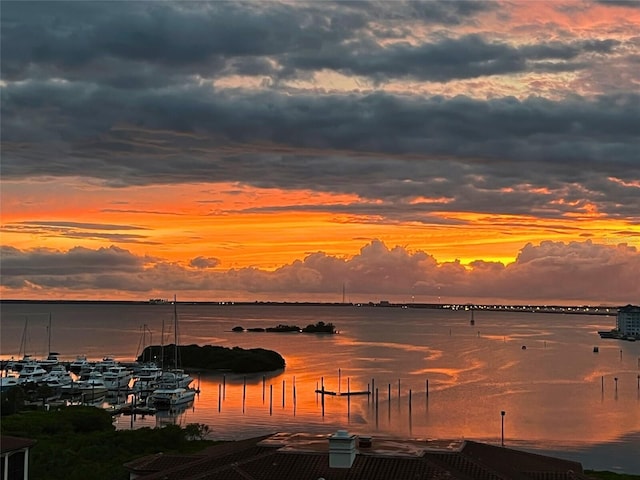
(11, 444)
(305, 456)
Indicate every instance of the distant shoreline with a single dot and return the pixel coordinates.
(529, 308)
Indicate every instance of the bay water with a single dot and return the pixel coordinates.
(430, 372)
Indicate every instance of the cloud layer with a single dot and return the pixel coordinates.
(545, 273)
(429, 114)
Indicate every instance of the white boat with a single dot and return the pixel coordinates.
(79, 364)
(8, 382)
(32, 372)
(58, 377)
(148, 373)
(168, 398)
(176, 375)
(117, 377)
(16, 365)
(49, 362)
(147, 379)
(175, 378)
(94, 385)
(105, 364)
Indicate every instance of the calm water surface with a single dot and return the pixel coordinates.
(558, 395)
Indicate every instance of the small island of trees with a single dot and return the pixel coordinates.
(209, 357)
(319, 327)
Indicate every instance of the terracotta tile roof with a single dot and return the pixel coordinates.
(9, 444)
(255, 459)
(523, 464)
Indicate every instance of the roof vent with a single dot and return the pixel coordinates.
(342, 449)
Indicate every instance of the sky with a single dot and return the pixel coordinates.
(454, 151)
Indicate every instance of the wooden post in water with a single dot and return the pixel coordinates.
(602, 382)
(133, 410)
(389, 395)
(348, 397)
(283, 392)
(339, 380)
(368, 393)
(264, 385)
(224, 386)
(373, 385)
(219, 397)
(398, 390)
(270, 399)
(244, 392)
(376, 404)
(427, 387)
(409, 401)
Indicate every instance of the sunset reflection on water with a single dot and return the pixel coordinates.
(556, 391)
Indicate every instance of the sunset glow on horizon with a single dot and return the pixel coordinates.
(475, 151)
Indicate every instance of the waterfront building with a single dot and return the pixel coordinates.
(344, 456)
(14, 457)
(628, 320)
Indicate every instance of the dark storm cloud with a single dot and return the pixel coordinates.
(470, 56)
(153, 44)
(112, 91)
(73, 39)
(376, 145)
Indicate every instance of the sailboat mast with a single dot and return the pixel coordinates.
(23, 342)
(49, 332)
(175, 332)
(162, 346)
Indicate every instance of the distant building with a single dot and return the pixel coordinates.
(628, 320)
(344, 456)
(14, 457)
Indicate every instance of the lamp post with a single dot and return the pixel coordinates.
(502, 414)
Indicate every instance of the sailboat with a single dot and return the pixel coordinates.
(174, 383)
(17, 365)
(52, 357)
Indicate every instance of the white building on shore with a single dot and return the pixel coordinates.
(628, 320)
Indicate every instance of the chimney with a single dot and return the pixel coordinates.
(342, 449)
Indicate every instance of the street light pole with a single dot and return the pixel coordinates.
(502, 414)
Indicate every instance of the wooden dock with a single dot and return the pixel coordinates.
(343, 394)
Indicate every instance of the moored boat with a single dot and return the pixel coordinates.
(79, 364)
(57, 377)
(117, 377)
(32, 372)
(8, 382)
(168, 398)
